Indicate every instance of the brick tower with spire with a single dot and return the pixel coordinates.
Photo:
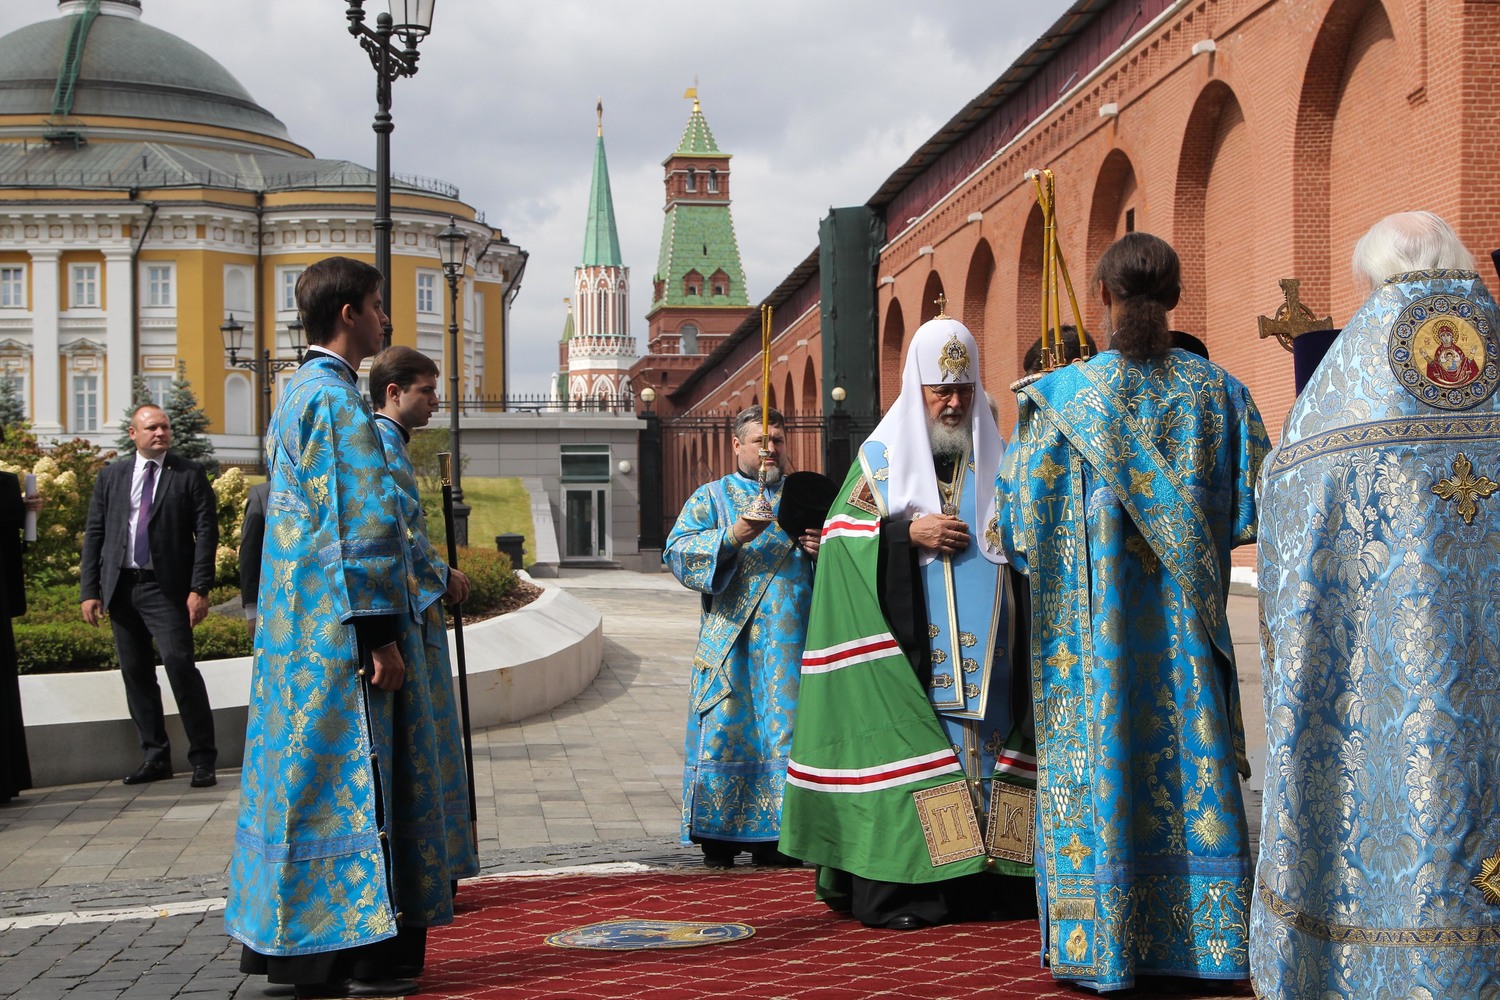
(698, 294)
(600, 349)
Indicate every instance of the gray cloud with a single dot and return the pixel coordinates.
(818, 102)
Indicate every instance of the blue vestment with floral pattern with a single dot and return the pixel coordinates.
(343, 833)
(1126, 487)
(1379, 871)
(747, 666)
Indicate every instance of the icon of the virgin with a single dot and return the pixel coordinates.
(1449, 364)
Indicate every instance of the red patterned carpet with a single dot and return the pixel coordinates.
(496, 948)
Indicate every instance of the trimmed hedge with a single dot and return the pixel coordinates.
(53, 638)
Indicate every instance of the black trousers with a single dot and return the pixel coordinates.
(139, 613)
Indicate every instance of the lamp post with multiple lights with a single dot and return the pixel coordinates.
(264, 366)
(410, 21)
(453, 247)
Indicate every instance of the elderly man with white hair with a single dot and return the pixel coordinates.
(909, 785)
(1379, 871)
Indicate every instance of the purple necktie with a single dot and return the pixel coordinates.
(142, 541)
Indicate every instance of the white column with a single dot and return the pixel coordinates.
(119, 359)
(46, 394)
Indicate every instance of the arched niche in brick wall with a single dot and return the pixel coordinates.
(930, 292)
(977, 292)
(892, 353)
(1368, 180)
(1318, 105)
(1114, 195)
(811, 401)
(1212, 145)
(1194, 161)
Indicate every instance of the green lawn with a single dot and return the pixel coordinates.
(498, 507)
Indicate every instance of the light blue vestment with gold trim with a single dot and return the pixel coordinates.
(746, 670)
(1379, 871)
(313, 869)
(431, 692)
(1123, 492)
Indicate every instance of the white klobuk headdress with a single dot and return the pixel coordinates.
(942, 352)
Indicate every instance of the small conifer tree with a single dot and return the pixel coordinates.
(139, 396)
(12, 407)
(189, 423)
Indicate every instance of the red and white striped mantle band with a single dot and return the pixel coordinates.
(844, 526)
(872, 779)
(847, 654)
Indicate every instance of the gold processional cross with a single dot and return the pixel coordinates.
(1292, 319)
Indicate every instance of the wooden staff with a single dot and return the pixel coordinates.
(445, 475)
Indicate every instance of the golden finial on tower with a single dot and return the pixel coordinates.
(693, 93)
(600, 109)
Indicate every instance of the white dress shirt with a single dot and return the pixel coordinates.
(137, 481)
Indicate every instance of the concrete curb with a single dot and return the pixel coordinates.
(78, 728)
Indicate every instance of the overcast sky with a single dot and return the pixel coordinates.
(819, 101)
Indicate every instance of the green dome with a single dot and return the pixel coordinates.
(128, 70)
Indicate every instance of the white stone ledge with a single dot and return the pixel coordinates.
(529, 661)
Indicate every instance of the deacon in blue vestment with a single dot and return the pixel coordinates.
(757, 586)
(1379, 871)
(1130, 479)
(345, 848)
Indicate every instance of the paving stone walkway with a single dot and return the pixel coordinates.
(108, 891)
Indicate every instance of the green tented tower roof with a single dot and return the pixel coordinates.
(697, 138)
(698, 232)
(601, 240)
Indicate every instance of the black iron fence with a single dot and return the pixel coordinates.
(694, 450)
(541, 404)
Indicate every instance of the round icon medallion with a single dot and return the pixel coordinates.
(1442, 351)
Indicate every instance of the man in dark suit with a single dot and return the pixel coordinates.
(252, 535)
(148, 556)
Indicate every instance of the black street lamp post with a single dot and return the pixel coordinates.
(410, 21)
(264, 366)
(453, 246)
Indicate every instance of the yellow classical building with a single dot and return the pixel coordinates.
(145, 198)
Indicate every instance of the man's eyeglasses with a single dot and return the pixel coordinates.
(949, 391)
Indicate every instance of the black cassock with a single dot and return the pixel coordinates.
(15, 765)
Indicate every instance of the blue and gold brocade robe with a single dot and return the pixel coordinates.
(313, 870)
(746, 669)
(427, 696)
(1125, 489)
(1379, 871)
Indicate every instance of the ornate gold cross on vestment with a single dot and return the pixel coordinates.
(1465, 487)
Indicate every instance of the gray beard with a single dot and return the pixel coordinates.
(773, 474)
(949, 442)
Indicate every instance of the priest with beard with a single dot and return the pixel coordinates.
(756, 583)
(912, 775)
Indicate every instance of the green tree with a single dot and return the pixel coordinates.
(189, 423)
(12, 407)
(139, 396)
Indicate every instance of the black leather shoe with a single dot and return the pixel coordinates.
(360, 988)
(906, 922)
(772, 858)
(203, 777)
(152, 770)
